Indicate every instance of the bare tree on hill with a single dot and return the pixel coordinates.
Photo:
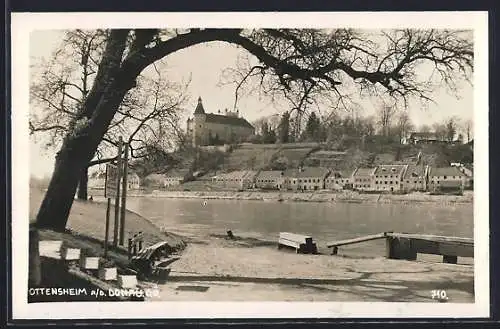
(308, 62)
(451, 125)
(440, 131)
(386, 116)
(403, 124)
(467, 130)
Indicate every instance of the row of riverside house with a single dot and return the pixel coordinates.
(383, 178)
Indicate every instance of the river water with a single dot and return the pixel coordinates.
(325, 222)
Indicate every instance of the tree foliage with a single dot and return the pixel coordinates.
(312, 132)
(284, 128)
(451, 125)
(268, 134)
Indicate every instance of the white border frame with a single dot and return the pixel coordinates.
(24, 23)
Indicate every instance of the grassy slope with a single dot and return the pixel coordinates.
(87, 221)
(368, 155)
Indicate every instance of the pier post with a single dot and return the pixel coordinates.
(400, 248)
(450, 259)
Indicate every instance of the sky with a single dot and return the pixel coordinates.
(205, 63)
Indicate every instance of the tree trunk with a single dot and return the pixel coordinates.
(82, 140)
(83, 184)
(59, 197)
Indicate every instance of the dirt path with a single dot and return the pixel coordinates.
(234, 272)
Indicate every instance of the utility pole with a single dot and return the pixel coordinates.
(117, 197)
(124, 195)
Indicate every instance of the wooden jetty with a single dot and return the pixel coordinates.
(301, 243)
(407, 246)
(337, 244)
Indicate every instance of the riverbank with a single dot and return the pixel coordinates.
(320, 196)
(214, 268)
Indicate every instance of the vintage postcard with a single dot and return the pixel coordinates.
(250, 165)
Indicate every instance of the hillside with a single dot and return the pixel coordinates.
(344, 156)
(251, 156)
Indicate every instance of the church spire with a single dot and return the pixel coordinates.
(199, 108)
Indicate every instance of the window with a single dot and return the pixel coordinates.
(415, 182)
(385, 182)
(391, 182)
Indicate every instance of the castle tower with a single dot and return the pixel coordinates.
(198, 124)
(199, 108)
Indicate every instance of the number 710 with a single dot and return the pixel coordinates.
(438, 294)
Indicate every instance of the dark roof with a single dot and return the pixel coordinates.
(346, 173)
(263, 174)
(387, 169)
(342, 173)
(364, 172)
(199, 108)
(423, 135)
(238, 174)
(414, 171)
(227, 120)
(307, 172)
(445, 171)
